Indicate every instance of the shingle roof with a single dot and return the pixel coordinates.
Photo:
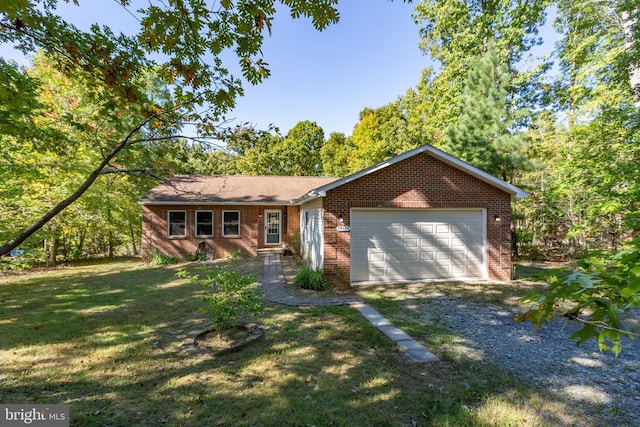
(233, 189)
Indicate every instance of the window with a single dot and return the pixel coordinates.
(204, 223)
(231, 223)
(177, 221)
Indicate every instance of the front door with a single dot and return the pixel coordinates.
(272, 234)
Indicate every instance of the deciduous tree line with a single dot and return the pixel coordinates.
(97, 118)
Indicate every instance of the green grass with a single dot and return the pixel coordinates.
(105, 338)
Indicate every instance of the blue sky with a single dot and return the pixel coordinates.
(368, 59)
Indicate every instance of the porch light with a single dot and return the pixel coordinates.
(340, 218)
(497, 218)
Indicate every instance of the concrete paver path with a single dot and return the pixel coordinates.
(275, 291)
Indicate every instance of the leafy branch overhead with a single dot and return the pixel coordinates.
(184, 39)
(604, 296)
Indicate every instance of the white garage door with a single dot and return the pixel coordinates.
(399, 245)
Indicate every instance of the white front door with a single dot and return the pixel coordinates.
(272, 229)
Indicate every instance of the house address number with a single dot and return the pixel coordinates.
(344, 228)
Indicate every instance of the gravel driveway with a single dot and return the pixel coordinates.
(608, 387)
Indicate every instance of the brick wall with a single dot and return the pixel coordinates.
(155, 238)
(290, 222)
(420, 181)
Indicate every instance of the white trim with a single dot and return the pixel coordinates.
(266, 226)
(213, 223)
(239, 224)
(485, 242)
(515, 192)
(169, 224)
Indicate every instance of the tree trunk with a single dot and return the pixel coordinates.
(133, 239)
(110, 254)
(629, 24)
(53, 256)
(81, 237)
(514, 242)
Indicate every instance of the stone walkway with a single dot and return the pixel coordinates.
(273, 286)
(275, 291)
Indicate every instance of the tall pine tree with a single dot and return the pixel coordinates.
(485, 134)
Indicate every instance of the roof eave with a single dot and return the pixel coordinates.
(206, 202)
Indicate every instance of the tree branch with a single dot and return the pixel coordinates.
(604, 325)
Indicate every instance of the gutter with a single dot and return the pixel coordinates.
(311, 195)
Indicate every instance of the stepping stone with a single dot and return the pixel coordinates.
(413, 349)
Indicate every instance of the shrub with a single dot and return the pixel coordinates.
(198, 256)
(308, 278)
(295, 243)
(231, 295)
(161, 259)
(24, 260)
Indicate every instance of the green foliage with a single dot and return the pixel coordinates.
(231, 294)
(299, 153)
(335, 155)
(28, 259)
(308, 278)
(485, 133)
(39, 172)
(187, 158)
(380, 134)
(585, 194)
(158, 258)
(601, 296)
(190, 35)
(295, 243)
(455, 32)
(263, 153)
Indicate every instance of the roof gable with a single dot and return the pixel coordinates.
(514, 191)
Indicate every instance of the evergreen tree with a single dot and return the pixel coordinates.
(486, 133)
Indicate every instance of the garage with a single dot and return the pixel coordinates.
(409, 245)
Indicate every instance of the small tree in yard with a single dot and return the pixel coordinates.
(604, 296)
(231, 295)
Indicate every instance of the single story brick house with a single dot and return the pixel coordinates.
(421, 216)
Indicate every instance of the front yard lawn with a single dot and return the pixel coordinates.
(106, 338)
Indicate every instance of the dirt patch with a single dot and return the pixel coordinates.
(228, 340)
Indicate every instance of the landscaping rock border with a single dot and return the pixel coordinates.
(190, 345)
